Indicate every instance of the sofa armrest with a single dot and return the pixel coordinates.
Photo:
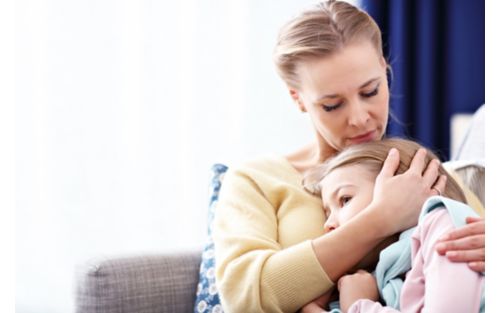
(138, 284)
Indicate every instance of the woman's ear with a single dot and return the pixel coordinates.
(297, 99)
(388, 71)
(383, 61)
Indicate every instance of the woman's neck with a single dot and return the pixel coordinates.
(310, 156)
(324, 150)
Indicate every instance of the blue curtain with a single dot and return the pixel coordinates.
(436, 50)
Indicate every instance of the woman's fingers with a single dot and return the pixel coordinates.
(418, 162)
(391, 164)
(431, 179)
(391, 192)
(468, 249)
(464, 244)
(473, 219)
(431, 174)
(470, 236)
(439, 187)
(472, 256)
(477, 266)
(475, 226)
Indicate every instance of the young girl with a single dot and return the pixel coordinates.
(433, 284)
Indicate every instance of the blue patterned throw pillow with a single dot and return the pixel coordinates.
(207, 297)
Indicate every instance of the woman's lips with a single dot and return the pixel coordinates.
(369, 136)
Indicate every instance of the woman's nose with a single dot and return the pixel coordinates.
(359, 114)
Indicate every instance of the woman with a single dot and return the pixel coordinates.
(271, 252)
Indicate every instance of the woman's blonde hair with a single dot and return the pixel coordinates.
(319, 32)
(373, 154)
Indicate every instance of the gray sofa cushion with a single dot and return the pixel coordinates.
(138, 284)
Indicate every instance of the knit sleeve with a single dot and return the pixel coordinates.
(253, 272)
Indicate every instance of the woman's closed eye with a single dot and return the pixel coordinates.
(372, 93)
(332, 107)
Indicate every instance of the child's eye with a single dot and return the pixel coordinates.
(329, 108)
(372, 93)
(345, 199)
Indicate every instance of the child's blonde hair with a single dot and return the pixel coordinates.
(373, 154)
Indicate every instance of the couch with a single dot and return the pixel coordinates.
(138, 284)
(168, 282)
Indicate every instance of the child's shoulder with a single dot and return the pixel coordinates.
(440, 213)
(437, 218)
(435, 224)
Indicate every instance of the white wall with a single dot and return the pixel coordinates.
(121, 108)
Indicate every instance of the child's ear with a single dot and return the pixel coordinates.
(297, 99)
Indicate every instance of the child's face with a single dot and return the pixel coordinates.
(346, 191)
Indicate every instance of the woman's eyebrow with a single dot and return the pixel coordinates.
(329, 96)
(369, 82)
(334, 95)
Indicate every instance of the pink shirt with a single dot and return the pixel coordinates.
(434, 284)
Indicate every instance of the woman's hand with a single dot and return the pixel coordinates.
(398, 199)
(465, 244)
(361, 285)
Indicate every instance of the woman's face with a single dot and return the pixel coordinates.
(346, 95)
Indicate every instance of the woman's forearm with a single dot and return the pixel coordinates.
(341, 249)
